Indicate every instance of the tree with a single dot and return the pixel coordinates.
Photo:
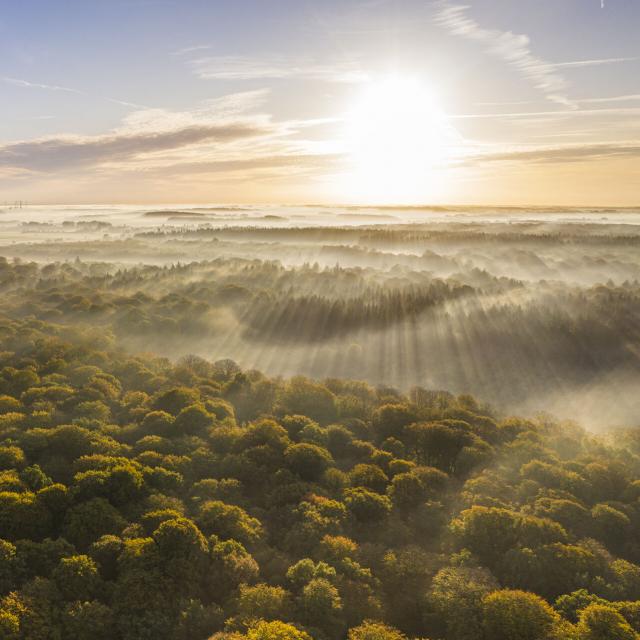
(517, 615)
(438, 444)
(263, 601)
(456, 597)
(9, 625)
(306, 570)
(369, 476)
(602, 622)
(8, 566)
(23, 516)
(87, 521)
(305, 397)
(275, 630)
(610, 525)
(231, 566)
(197, 620)
(88, 620)
(309, 461)
(320, 604)
(626, 579)
(367, 506)
(157, 423)
(11, 457)
(77, 578)
(370, 630)
(407, 491)
(182, 552)
(488, 532)
(193, 420)
(389, 420)
(550, 570)
(105, 552)
(176, 399)
(35, 478)
(570, 605)
(229, 522)
(121, 484)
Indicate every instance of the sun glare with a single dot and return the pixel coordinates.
(398, 140)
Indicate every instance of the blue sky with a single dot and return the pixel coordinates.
(106, 100)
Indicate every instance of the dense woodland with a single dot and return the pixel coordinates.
(142, 499)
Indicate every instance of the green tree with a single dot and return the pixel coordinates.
(320, 604)
(87, 521)
(77, 578)
(367, 506)
(389, 420)
(456, 597)
(88, 620)
(305, 397)
(229, 522)
(369, 476)
(309, 461)
(175, 400)
(370, 630)
(263, 601)
(602, 622)
(517, 615)
(275, 630)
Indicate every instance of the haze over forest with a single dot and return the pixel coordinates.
(533, 310)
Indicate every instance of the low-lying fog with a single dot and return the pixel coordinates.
(531, 309)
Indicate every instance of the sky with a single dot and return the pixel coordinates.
(512, 102)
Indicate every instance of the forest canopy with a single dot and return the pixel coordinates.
(145, 499)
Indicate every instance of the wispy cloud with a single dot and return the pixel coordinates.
(247, 68)
(513, 48)
(37, 85)
(560, 154)
(125, 103)
(633, 97)
(242, 106)
(591, 63)
(257, 162)
(631, 111)
(192, 49)
(26, 84)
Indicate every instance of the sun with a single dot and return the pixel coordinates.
(397, 140)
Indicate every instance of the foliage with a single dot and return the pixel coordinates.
(143, 499)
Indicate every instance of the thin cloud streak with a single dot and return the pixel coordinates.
(26, 84)
(626, 98)
(185, 50)
(37, 85)
(560, 154)
(592, 63)
(513, 48)
(556, 113)
(274, 68)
